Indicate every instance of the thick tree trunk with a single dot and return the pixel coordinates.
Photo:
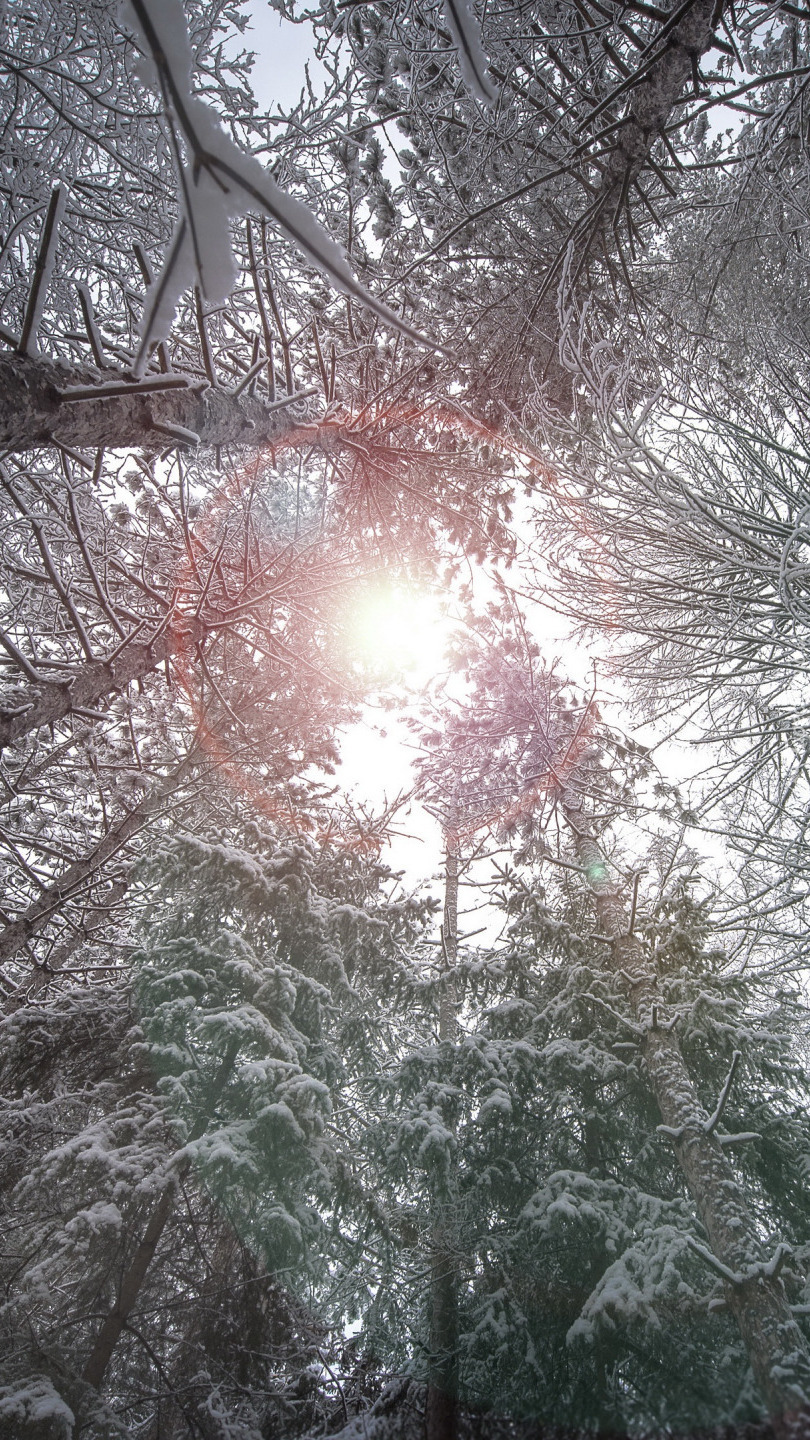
(82, 872)
(49, 401)
(441, 1420)
(92, 682)
(756, 1297)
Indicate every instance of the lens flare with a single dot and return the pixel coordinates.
(398, 633)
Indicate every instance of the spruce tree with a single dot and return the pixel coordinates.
(589, 1287)
(174, 1223)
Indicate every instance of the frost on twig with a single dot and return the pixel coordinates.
(472, 61)
(219, 182)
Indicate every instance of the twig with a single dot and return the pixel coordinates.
(39, 284)
(205, 343)
(247, 380)
(178, 433)
(93, 333)
(633, 904)
(126, 387)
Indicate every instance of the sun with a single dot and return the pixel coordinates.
(399, 632)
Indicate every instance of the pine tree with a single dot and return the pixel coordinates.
(587, 1293)
(187, 1128)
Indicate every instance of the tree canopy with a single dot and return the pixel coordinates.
(510, 307)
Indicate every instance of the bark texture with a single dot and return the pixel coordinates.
(37, 408)
(83, 871)
(92, 682)
(775, 1345)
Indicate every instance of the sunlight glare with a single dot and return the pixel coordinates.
(400, 634)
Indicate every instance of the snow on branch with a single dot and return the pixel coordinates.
(732, 1277)
(771, 1268)
(219, 182)
(622, 1019)
(714, 1119)
(466, 33)
(43, 270)
(179, 433)
(760, 1270)
(672, 1132)
(72, 393)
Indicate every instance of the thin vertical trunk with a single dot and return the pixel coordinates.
(447, 1015)
(756, 1296)
(441, 1421)
(130, 1287)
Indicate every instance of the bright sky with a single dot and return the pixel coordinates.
(403, 634)
(401, 637)
(283, 50)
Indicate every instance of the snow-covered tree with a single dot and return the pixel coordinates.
(621, 1110)
(578, 291)
(184, 1125)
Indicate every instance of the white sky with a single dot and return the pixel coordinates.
(283, 50)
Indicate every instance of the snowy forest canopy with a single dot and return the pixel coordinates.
(509, 308)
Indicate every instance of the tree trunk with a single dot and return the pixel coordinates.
(49, 401)
(78, 875)
(91, 682)
(94, 918)
(441, 1419)
(130, 1287)
(110, 1332)
(775, 1345)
